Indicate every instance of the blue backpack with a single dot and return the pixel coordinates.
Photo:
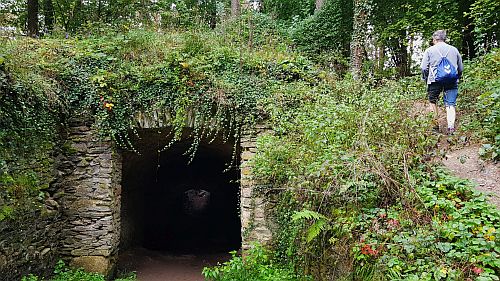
(445, 71)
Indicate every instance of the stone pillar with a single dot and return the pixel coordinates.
(253, 203)
(90, 173)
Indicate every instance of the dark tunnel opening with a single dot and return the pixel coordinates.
(169, 204)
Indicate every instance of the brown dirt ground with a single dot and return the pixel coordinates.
(462, 158)
(465, 163)
(158, 266)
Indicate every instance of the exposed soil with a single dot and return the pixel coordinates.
(158, 266)
(462, 158)
(465, 163)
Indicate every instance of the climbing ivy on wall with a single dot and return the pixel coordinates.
(114, 78)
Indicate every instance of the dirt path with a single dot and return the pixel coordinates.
(465, 163)
(157, 266)
(462, 158)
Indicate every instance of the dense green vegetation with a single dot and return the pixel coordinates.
(482, 100)
(257, 265)
(63, 273)
(358, 200)
(348, 165)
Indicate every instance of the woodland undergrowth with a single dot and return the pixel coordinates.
(348, 163)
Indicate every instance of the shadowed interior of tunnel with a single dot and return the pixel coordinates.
(169, 204)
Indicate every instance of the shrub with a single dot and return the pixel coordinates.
(451, 238)
(289, 9)
(481, 97)
(256, 265)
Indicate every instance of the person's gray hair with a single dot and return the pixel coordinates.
(439, 35)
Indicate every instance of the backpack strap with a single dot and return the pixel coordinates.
(447, 52)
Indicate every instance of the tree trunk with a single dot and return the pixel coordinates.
(77, 19)
(360, 26)
(235, 8)
(468, 45)
(319, 4)
(99, 10)
(402, 64)
(48, 12)
(33, 18)
(380, 58)
(213, 20)
(250, 35)
(211, 13)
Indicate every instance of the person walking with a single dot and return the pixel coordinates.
(442, 69)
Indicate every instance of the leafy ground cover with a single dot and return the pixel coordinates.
(63, 273)
(257, 265)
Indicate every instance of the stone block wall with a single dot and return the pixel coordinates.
(30, 236)
(255, 224)
(29, 243)
(89, 179)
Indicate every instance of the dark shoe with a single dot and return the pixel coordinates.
(451, 131)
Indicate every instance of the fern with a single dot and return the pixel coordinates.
(307, 215)
(316, 229)
(320, 222)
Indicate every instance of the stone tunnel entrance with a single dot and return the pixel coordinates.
(115, 201)
(171, 205)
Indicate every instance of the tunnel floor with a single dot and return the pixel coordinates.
(163, 266)
(172, 209)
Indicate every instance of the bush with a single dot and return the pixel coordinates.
(451, 237)
(289, 9)
(349, 169)
(256, 265)
(481, 96)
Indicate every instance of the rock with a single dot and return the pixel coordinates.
(97, 264)
(44, 251)
(51, 204)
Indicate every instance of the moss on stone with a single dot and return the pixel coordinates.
(97, 264)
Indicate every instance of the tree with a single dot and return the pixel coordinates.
(360, 26)
(468, 49)
(319, 4)
(48, 14)
(235, 8)
(289, 9)
(32, 10)
(398, 23)
(485, 15)
(328, 30)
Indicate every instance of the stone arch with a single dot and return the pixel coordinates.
(90, 177)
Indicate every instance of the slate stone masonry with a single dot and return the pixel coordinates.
(253, 204)
(90, 175)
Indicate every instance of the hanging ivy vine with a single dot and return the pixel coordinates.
(194, 78)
